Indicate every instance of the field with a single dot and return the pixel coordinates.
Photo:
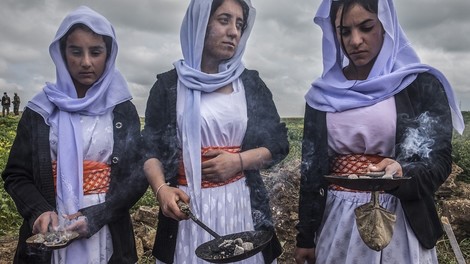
(10, 220)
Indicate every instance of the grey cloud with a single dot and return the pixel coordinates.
(285, 45)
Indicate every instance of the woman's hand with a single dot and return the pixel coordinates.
(167, 197)
(47, 221)
(79, 224)
(390, 166)
(302, 255)
(222, 165)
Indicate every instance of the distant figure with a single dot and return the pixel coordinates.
(16, 104)
(5, 104)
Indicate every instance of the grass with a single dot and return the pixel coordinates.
(10, 220)
(445, 253)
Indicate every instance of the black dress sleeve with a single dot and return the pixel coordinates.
(424, 138)
(29, 185)
(313, 187)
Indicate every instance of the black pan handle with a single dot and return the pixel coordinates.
(185, 209)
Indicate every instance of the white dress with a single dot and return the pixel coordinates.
(225, 209)
(97, 146)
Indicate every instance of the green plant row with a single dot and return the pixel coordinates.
(10, 220)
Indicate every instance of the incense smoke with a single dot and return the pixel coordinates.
(419, 140)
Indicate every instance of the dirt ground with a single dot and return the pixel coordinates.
(7, 249)
(283, 186)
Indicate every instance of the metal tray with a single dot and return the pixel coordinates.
(367, 184)
(34, 241)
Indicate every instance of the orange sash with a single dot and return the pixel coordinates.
(96, 176)
(351, 164)
(207, 184)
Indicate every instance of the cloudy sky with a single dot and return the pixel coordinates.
(284, 46)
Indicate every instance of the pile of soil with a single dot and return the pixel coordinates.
(283, 187)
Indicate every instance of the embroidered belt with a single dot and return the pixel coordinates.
(351, 164)
(96, 176)
(204, 183)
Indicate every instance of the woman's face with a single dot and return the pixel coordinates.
(85, 55)
(362, 35)
(223, 33)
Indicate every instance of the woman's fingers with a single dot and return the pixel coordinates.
(79, 225)
(389, 166)
(42, 223)
(220, 168)
(54, 221)
(168, 198)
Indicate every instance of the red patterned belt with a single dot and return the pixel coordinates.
(351, 164)
(96, 176)
(204, 183)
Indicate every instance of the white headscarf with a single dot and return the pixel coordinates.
(190, 76)
(396, 67)
(59, 106)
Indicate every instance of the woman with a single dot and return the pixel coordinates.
(72, 163)
(210, 126)
(375, 108)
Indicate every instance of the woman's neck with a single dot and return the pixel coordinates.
(208, 66)
(352, 72)
(81, 89)
(212, 66)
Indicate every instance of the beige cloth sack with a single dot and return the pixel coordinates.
(375, 224)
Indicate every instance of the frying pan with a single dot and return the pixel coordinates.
(208, 251)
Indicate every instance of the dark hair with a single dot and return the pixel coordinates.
(63, 40)
(369, 5)
(246, 10)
